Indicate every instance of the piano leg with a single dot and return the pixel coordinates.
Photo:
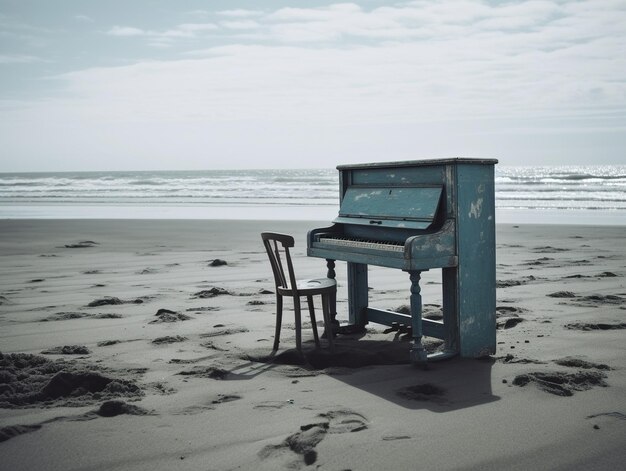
(330, 264)
(418, 353)
(357, 294)
(449, 278)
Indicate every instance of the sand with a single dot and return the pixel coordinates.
(138, 345)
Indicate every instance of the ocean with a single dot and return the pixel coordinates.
(570, 195)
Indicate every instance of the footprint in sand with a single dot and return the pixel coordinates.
(271, 405)
(107, 315)
(303, 443)
(560, 383)
(561, 294)
(212, 372)
(510, 283)
(508, 316)
(579, 363)
(169, 339)
(217, 262)
(222, 398)
(112, 301)
(344, 421)
(108, 343)
(508, 323)
(201, 309)
(504, 311)
(166, 315)
(211, 293)
(537, 262)
(596, 326)
(211, 405)
(509, 358)
(593, 300)
(83, 244)
(223, 331)
(111, 408)
(549, 249)
(68, 350)
(63, 316)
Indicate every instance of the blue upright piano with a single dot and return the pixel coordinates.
(414, 216)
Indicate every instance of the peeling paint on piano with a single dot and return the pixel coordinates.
(476, 208)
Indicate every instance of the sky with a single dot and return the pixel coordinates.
(184, 85)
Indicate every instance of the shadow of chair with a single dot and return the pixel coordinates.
(277, 247)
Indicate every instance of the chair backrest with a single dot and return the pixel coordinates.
(277, 248)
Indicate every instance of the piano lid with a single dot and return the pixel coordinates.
(397, 207)
(419, 163)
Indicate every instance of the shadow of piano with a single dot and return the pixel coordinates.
(382, 368)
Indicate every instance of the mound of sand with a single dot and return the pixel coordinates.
(31, 380)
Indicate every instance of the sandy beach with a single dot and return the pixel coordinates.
(125, 347)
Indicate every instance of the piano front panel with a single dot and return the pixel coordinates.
(423, 175)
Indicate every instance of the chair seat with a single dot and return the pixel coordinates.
(312, 287)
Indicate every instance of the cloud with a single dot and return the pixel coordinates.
(480, 75)
(125, 31)
(240, 24)
(411, 61)
(165, 38)
(240, 13)
(83, 18)
(417, 64)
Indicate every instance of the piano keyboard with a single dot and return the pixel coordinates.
(363, 244)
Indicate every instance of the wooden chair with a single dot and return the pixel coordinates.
(277, 247)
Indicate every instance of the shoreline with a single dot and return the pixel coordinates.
(195, 395)
(283, 213)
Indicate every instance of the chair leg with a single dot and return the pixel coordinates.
(279, 319)
(333, 307)
(326, 301)
(313, 321)
(296, 308)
